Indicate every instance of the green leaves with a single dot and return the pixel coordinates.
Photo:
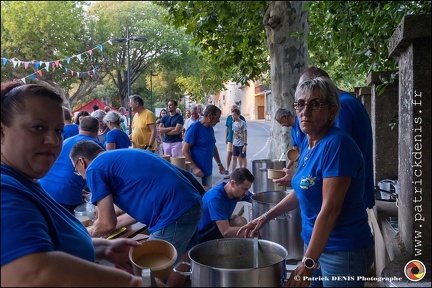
(357, 34)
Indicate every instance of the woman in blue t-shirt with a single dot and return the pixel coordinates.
(328, 186)
(116, 138)
(42, 243)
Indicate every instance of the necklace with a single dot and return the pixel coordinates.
(306, 158)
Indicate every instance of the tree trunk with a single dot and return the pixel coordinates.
(287, 29)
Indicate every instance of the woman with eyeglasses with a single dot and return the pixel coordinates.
(42, 243)
(328, 186)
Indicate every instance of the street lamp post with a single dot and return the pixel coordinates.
(151, 89)
(120, 40)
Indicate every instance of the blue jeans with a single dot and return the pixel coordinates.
(343, 268)
(182, 233)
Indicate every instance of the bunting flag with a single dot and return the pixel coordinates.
(38, 64)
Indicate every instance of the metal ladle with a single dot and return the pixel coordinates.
(255, 252)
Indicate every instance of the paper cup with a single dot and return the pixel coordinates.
(158, 255)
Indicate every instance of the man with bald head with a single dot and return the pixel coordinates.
(354, 119)
(61, 182)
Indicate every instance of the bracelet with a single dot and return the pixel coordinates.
(266, 216)
(219, 164)
(245, 144)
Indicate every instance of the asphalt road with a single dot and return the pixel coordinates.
(258, 145)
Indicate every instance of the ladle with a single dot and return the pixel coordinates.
(255, 252)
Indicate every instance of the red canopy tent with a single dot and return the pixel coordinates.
(89, 106)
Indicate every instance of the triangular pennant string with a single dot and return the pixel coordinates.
(39, 72)
(90, 52)
(4, 60)
(37, 65)
(26, 64)
(32, 76)
(23, 80)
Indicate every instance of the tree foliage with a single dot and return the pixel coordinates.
(231, 32)
(166, 48)
(44, 31)
(348, 39)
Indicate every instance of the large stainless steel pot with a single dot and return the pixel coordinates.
(284, 230)
(260, 172)
(230, 262)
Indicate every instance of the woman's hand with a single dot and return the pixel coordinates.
(300, 277)
(115, 251)
(251, 229)
(286, 180)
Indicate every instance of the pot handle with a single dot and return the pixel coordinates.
(262, 169)
(188, 273)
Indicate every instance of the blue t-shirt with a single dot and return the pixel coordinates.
(334, 155)
(61, 182)
(70, 130)
(354, 119)
(172, 121)
(297, 135)
(142, 184)
(217, 206)
(120, 138)
(203, 142)
(228, 124)
(33, 222)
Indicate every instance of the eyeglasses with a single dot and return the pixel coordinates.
(76, 171)
(313, 105)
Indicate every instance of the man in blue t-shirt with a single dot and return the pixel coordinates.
(154, 192)
(200, 146)
(61, 182)
(219, 204)
(354, 119)
(171, 126)
(229, 138)
(286, 119)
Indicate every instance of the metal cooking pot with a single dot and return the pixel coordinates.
(284, 230)
(230, 262)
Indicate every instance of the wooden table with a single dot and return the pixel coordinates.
(132, 231)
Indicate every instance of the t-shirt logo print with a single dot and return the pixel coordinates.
(305, 183)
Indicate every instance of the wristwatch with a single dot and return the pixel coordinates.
(219, 164)
(310, 263)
